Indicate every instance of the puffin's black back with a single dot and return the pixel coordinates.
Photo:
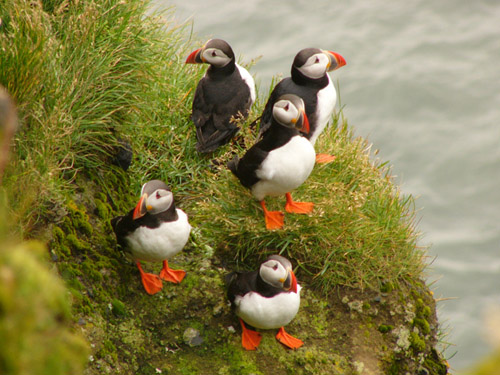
(245, 168)
(220, 95)
(241, 283)
(305, 88)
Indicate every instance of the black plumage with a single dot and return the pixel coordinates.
(223, 96)
(241, 283)
(307, 88)
(124, 225)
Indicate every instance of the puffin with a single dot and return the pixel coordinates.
(223, 96)
(155, 230)
(280, 162)
(266, 299)
(310, 81)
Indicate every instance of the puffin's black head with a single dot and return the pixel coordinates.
(277, 271)
(314, 62)
(156, 197)
(290, 111)
(216, 52)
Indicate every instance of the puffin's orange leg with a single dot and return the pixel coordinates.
(324, 158)
(274, 219)
(249, 339)
(297, 207)
(152, 283)
(168, 274)
(288, 340)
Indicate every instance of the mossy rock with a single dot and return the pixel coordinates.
(35, 316)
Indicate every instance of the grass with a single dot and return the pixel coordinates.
(84, 75)
(87, 74)
(360, 234)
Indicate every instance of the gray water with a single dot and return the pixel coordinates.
(422, 83)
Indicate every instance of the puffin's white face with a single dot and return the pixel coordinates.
(286, 113)
(273, 273)
(316, 66)
(216, 57)
(159, 201)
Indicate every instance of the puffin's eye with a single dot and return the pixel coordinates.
(275, 267)
(317, 60)
(158, 196)
(287, 107)
(214, 53)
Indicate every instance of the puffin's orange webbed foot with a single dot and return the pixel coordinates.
(250, 340)
(297, 207)
(286, 339)
(324, 158)
(168, 274)
(274, 219)
(152, 283)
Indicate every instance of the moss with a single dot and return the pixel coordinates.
(118, 308)
(417, 343)
(436, 365)
(102, 209)
(35, 314)
(384, 328)
(75, 244)
(422, 325)
(79, 218)
(58, 234)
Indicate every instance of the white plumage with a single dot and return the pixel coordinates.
(268, 313)
(285, 168)
(247, 77)
(327, 99)
(160, 243)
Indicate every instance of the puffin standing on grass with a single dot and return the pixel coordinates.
(311, 82)
(224, 95)
(267, 299)
(154, 231)
(281, 161)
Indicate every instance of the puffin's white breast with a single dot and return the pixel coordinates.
(285, 168)
(247, 77)
(268, 313)
(160, 243)
(327, 98)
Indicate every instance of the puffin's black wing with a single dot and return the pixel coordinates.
(240, 283)
(215, 104)
(246, 167)
(122, 226)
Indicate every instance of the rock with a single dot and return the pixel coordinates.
(192, 337)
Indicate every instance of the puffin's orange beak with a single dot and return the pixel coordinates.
(291, 282)
(336, 60)
(305, 123)
(194, 57)
(141, 208)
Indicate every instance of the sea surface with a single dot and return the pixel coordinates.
(422, 83)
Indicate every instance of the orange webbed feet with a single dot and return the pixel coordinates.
(168, 274)
(152, 283)
(250, 340)
(324, 158)
(297, 207)
(274, 219)
(286, 339)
